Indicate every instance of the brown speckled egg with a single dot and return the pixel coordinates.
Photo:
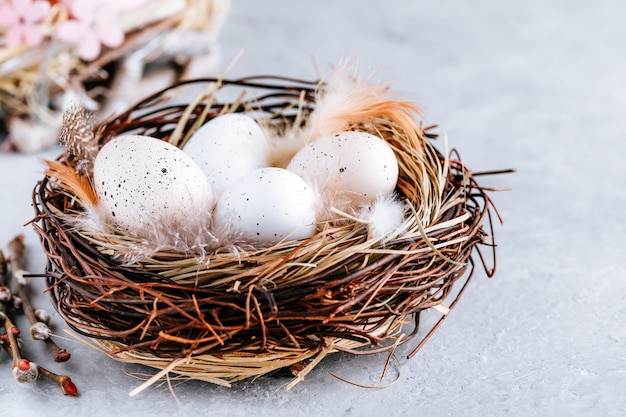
(140, 179)
(266, 206)
(227, 148)
(353, 166)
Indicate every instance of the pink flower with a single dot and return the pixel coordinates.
(20, 17)
(92, 26)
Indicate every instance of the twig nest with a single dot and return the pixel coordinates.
(294, 264)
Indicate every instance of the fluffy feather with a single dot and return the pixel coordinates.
(187, 236)
(346, 102)
(72, 182)
(384, 217)
(79, 137)
(284, 145)
(191, 237)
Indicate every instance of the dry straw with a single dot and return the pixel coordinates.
(239, 314)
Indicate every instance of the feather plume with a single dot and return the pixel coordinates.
(284, 145)
(347, 102)
(384, 217)
(72, 182)
(79, 136)
(189, 236)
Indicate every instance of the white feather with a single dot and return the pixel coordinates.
(186, 236)
(384, 217)
(342, 100)
(284, 145)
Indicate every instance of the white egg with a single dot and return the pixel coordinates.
(140, 180)
(267, 206)
(352, 168)
(227, 148)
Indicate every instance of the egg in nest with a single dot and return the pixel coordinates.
(140, 181)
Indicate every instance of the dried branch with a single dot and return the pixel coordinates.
(39, 330)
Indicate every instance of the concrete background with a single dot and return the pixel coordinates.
(539, 86)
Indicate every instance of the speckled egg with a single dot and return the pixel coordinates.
(352, 168)
(140, 179)
(227, 148)
(266, 206)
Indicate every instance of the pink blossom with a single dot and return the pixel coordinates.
(92, 25)
(21, 18)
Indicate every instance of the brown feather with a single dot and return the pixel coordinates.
(72, 182)
(347, 102)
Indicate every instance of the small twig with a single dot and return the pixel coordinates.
(12, 331)
(494, 172)
(65, 382)
(16, 254)
(23, 369)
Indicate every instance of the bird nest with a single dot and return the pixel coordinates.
(228, 314)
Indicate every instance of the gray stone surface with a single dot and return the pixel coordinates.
(533, 85)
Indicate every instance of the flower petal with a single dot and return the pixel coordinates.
(121, 6)
(36, 11)
(13, 36)
(71, 31)
(8, 16)
(32, 35)
(89, 47)
(110, 36)
(85, 10)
